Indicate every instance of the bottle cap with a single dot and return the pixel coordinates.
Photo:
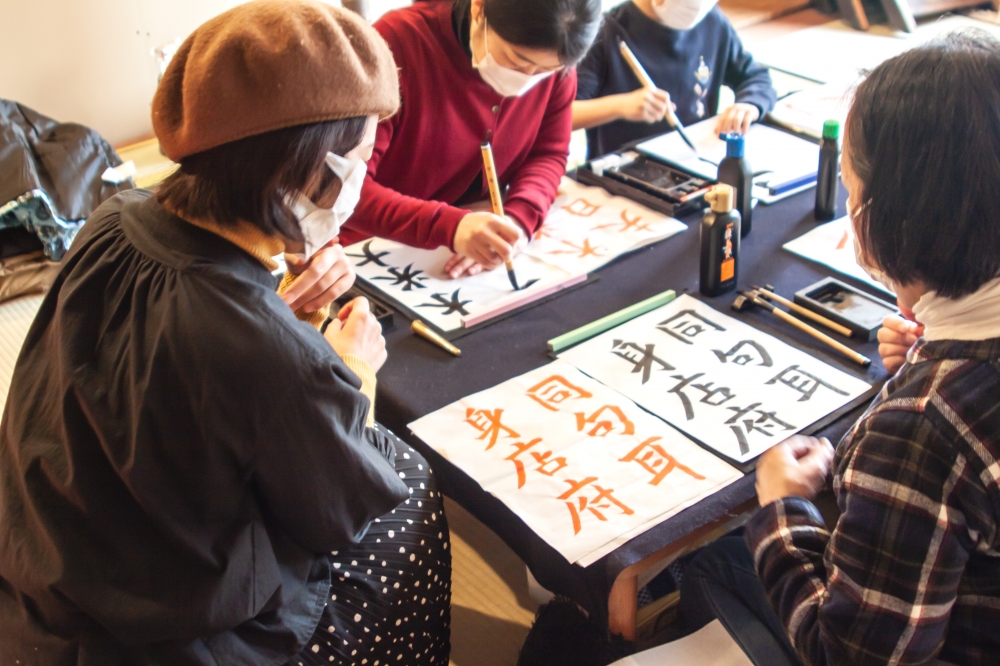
(734, 144)
(831, 129)
(722, 198)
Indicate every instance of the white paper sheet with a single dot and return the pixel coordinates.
(728, 385)
(588, 227)
(784, 156)
(709, 646)
(835, 51)
(416, 279)
(807, 110)
(579, 463)
(832, 244)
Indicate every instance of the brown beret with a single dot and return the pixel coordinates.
(267, 65)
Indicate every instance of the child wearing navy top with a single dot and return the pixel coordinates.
(690, 50)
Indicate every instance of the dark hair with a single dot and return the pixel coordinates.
(249, 179)
(923, 136)
(568, 27)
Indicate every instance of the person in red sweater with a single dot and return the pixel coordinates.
(473, 71)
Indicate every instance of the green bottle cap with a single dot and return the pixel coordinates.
(831, 129)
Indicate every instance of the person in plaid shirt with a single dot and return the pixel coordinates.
(910, 574)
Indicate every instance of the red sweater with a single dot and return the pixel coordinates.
(428, 155)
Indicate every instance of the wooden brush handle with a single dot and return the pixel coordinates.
(823, 337)
(818, 318)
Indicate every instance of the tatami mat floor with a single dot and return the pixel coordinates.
(491, 611)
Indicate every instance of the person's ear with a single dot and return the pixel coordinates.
(477, 12)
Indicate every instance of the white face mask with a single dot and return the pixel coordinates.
(873, 272)
(507, 82)
(683, 14)
(320, 225)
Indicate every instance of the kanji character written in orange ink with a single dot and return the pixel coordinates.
(543, 232)
(626, 224)
(548, 465)
(582, 250)
(658, 462)
(613, 421)
(582, 208)
(488, 423)
(601, 501)
(554, 391)
(518, 465)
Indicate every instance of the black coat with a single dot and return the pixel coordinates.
(50, 176)
(177, 455)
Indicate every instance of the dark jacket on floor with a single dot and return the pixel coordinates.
(50, 175)
(692, 65)
(178, 456)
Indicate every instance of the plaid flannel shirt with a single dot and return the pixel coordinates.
(911, 573)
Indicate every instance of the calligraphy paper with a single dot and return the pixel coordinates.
(728, 385)
(587, 227)
(579, 463)
(781, 156)
(416, 279)
(832, 244)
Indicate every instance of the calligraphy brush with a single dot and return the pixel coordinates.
(755, 298)
(647, 82)
(490, 169)
(768, 293)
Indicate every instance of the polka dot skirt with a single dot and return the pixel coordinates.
(390, 602)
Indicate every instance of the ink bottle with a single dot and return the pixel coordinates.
(735, 170)
(720, 242)
(827, 179)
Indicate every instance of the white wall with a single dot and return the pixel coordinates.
(91, 62)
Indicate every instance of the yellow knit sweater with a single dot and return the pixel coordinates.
(262, 247)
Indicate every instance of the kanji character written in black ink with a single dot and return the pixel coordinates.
(746, 352)
(369, 256)
(448, 306)
(686, 325)
(802, 382)
(764, 423)
(407, 277)
(711, 394)
(641, 357)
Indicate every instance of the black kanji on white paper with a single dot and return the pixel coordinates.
(407, 277)
(746, 352)
(369, 256)
(687, 325)
(640, 356)
(802, 382)
(448, 305)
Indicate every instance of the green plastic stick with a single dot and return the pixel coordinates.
(606, 323)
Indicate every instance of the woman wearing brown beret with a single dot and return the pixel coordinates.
(471, 71)
(190, 472)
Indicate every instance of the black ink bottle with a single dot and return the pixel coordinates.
(827, 178)
(720, 242)
(735, 170)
